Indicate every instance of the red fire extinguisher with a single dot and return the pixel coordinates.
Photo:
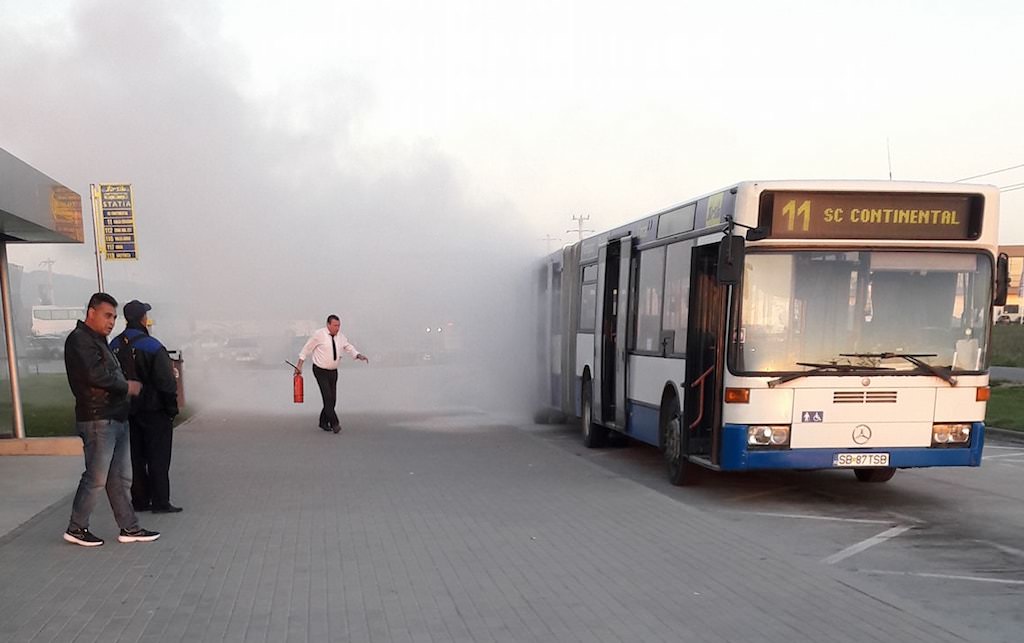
(297, 387)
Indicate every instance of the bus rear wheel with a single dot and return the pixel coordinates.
(594, 436)
(681, 472)
(875, 475)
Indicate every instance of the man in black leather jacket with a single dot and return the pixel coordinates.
(101, 413)
(152, 415)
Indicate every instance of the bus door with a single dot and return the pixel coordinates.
(610, 353)
(705, 352)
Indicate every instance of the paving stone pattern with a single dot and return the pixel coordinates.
(409, 528)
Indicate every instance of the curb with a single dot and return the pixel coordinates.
(1005, 434)
(41, 446)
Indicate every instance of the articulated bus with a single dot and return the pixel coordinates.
(783, 325)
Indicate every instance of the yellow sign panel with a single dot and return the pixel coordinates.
(115, 214)
(66, 208)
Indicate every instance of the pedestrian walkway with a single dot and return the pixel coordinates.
(422, 528)
(31, 483)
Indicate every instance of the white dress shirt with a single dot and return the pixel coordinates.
(319, 345)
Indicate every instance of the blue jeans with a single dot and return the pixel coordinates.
(108, 465)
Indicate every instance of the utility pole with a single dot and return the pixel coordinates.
(579, 225)
(49, 279)
(549, 239)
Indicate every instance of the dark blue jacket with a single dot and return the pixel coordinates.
(153, 367)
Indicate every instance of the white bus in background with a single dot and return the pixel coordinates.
(1008, 314)
(55, 321)
(783, 325)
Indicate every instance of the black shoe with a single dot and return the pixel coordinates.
(166, 509)
(337, 428)
(137, 535)
(82, 537)
(326, 428)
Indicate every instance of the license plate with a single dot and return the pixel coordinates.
(860, 460)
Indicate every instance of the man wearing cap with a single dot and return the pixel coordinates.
(324, 347)
(152, 413)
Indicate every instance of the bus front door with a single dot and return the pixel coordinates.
(705, 350)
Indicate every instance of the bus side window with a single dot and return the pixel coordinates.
(649, 294)
(588, 307)
(677, 295)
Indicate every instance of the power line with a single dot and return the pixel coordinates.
(580, 229)
(978, 176)
(549, 239)
(1012, 188)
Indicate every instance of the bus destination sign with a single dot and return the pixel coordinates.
(871, 215)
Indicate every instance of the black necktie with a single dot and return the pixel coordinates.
(334, 348)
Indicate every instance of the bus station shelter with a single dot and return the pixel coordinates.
(34, 208)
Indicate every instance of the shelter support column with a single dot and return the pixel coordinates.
(12, 358)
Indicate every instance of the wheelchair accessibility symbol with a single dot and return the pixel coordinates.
(808, 417)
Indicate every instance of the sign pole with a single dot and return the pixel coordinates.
(96, 237)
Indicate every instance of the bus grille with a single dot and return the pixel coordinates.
(864, 397)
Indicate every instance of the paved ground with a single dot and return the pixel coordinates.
(412, 527)
(29, 484)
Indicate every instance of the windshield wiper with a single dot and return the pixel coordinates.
(915, 359)
(825, 368)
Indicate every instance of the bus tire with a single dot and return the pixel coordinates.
(594, 436)
(875, 475)
(681, 472)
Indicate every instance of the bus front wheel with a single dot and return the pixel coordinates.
(875, 475)
(594, 436)
(681, 472)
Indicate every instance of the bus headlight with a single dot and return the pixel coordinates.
(950, 434)
(768, 435)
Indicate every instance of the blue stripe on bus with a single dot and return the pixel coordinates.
(577, 403)
(555, 393)
(642, 422)
(737, 457)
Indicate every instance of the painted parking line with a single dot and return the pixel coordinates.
(865, 544)
(772, 514)
(976, 579)
(1006, 549)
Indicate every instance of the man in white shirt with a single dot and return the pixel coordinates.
(324, 346)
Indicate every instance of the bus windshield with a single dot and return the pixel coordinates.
(807, 309)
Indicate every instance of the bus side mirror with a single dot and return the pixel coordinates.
(730, 259)
(1002, 280)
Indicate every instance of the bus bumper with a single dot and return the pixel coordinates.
(737, 456)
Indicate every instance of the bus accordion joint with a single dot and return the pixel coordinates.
(737, 396)
(982, 394)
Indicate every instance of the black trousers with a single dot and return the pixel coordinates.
(327, 380)
(151, 436)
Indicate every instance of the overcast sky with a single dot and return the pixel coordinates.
(501, 118)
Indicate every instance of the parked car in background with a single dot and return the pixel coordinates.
(242, 350)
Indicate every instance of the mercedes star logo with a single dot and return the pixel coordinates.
(862, 434)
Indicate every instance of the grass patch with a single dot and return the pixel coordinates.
(1006, 408)
(1008, 345)
(49, 406)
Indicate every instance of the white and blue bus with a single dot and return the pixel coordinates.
(783, 325)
